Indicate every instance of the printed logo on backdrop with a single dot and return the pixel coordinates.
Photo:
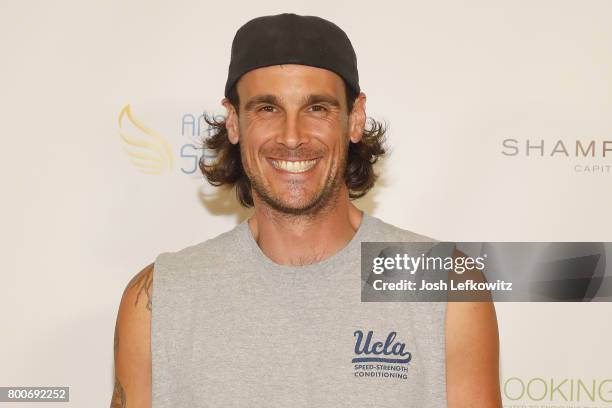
(380, 358)
(151, 152)
(559, 392)
(587, 156)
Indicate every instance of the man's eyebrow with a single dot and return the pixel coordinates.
(308, 100)
(256, 100)
(320, 98)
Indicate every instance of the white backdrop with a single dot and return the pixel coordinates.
(453, 79)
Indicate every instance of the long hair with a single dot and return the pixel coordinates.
(227, 168)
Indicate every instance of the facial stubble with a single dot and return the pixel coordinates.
(324, 199)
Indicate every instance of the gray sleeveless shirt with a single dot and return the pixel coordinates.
(232, 328)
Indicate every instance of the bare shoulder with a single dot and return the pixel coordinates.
(133, 343)
(138, 289)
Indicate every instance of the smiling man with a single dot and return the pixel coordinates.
(269, 313)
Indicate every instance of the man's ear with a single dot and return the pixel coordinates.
(231, 122)
(357, 118)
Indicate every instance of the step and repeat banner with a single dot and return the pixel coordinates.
(500, 127)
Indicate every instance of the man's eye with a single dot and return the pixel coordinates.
(267, 108)
(318, 108)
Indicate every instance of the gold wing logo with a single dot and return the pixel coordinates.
(150, 152)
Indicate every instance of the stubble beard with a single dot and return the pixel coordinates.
(324, 199)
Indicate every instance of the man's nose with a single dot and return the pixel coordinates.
(291, 135)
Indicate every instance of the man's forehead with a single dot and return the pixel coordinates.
(290, 79)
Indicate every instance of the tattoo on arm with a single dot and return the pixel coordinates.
(118, 400)
(143, 282)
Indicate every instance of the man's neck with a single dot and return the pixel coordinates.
(297, 240)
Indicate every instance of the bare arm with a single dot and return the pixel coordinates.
(472, 353)
(133, 344)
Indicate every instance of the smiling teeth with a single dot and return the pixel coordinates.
(294, 166)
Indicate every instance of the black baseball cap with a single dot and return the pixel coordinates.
(292, 39)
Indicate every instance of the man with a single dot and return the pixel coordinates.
(268, 314)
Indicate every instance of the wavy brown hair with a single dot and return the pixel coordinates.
(227, 168)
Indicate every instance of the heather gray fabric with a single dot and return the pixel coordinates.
(231, 328)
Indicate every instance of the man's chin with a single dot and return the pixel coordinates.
(295, 206)
(295, 201)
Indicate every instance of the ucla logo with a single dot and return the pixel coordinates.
(387, 351)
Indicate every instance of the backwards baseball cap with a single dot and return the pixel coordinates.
(292, 39)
